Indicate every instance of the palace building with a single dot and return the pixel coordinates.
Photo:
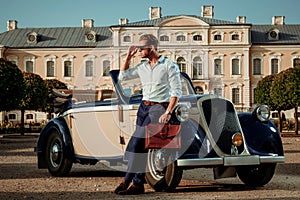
(227, 58)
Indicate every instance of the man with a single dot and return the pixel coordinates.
(161, 88)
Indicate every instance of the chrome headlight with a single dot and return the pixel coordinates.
(262, 112)
(182, 111)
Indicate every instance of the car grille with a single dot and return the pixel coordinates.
(222, 122)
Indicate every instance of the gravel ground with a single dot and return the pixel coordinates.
(21, 179)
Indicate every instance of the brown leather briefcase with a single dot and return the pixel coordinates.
(162, 136)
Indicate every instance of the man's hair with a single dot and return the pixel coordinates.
(151, 40)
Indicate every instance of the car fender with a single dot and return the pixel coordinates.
(262, 138)
(59, 124)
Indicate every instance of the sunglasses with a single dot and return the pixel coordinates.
(143, 47)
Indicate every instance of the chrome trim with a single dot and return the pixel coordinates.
(230, 161)
(209, 134)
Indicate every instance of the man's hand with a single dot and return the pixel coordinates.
(164, 118)
(131, 52)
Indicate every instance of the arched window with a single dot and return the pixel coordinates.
(197, 37)
(126, 38)
(180, 38)
(106, 67)
(217, 37)
(257, 66)
(296, 62)
(197, 68)
(29, 116)
(235, 37)
(182, 64)
(274, 66)
(67, 68)
(50, 68)
(218, 66)
(236, 95)
(164, 38)
(29, 66)
(89, 68)
(235, 66)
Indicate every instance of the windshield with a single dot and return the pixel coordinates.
(134, 87)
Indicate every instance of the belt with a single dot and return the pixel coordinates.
(151, 103)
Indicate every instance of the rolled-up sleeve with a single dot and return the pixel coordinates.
(175, 82)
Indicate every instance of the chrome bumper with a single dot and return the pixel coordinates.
(230, 161)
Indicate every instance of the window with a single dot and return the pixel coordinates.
(235, 95)
(89, 68)
(218, 66)
(296, 62)
(235, 37)
(67, 68)
(29, 66)
(254, 95)
(106, 67)
(29, 116)
(235, 66)
(180, 38)
(197, 37)
(50, 69)
(218, 91)
(181, 63)
(126, 38)
(12, 116)
(197, 67)
(274, 66)
(199, 90)
(256, 66)
(217, 37)
(164, 38)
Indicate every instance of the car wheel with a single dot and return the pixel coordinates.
(57, 162)
(162, 174)
(257, 175)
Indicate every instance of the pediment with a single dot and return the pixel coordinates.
(183, 21)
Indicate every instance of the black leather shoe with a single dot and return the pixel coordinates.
(123, 186)
(133, 190)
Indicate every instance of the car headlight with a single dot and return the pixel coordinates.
(262, 112)
(182, 111)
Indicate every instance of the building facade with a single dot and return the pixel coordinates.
(222, 57)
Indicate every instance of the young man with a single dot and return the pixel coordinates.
(161, 86)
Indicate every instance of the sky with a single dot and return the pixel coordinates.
(69, 13)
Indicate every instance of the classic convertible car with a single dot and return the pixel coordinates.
(213, 135)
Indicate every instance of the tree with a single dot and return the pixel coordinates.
(262, 91)
(285, 91)
(35, 97)
(52, 84)
(11, 86)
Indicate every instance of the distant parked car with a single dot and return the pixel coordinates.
(213, 136)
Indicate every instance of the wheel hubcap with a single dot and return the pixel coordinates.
(55, 154)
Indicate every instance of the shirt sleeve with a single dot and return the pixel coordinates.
(130, 73)
(175, 82)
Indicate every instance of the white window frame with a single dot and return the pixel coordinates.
(91, 58)
(296, 56)
(239, 58)
(238, 86)
(200, 63)
(127, 35)
(71, 59)
(50, 58)
(275, 56)
(214, 33)
(221, 57)
(261, 57)
(164, 35)
(32, 59)
(181, 34)
(236, 33)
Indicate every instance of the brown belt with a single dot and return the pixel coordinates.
(151, 103)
